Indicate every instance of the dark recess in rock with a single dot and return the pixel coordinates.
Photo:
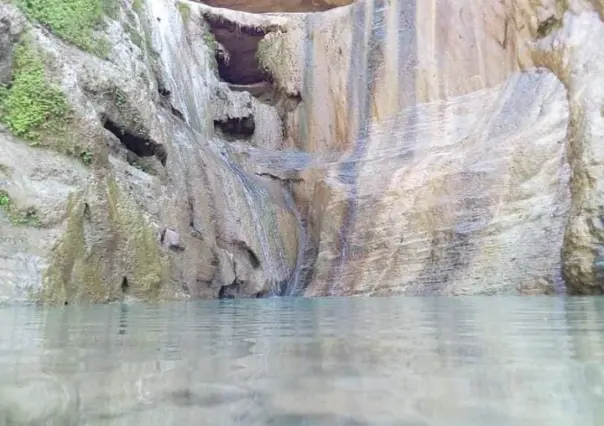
(222, 293)
(86, 211)
(164, 94)
(143, 147)
(236, 128)
(253, 258)
(125, 286)
(161, 89)
(242, 44)
(176, 113)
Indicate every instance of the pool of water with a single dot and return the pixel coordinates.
(306, 362)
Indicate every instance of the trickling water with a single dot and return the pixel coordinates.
(294, 284)
(266, 227)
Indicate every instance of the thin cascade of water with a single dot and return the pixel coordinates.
(294, 283)
(256, 197)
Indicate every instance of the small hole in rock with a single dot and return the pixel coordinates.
(125, 286)
(253, 258)
(254, 261)
(86, 210)
(143, 147)
(222, 294)
(163, 91)
(175, 112)
(236, 128)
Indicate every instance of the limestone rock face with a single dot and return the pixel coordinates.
(145, 158)
(446, 147)
(377, 147)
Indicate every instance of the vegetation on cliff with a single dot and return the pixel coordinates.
(31, 105)
(73, 20)
(35, 109)
(185, 12)
(28, 217)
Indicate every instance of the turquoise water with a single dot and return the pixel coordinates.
(306, 362)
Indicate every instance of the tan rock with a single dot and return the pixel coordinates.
(456, 174)
(276, 6)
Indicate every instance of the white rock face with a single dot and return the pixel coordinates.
(454, 145)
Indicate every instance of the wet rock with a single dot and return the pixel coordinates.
(424, 150)
(11, 26)
(171, 239)
(5, 51)
(98, 211)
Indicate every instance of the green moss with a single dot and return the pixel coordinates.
(185, 11)
(120, 98)
(73, 273)
(17, 217)
(212, 45)
(73, 20)
(124, 246)
(32, 106)
(210, 40)
(137, 5)
(131, 24)
(86, 157)
(135, 36)
(148, 268)
(272, 53)
(3, 95)
(4, 200)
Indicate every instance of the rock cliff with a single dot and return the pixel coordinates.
(165, 149)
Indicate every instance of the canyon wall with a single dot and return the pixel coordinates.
(137, 196)
(382, 147)
(458, 146)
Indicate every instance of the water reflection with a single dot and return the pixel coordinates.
(415, 361)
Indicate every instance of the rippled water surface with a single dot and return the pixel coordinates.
(299, 362)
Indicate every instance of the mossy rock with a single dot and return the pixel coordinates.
(18, 216)
(74, 21)
(102, 248)
(36, 110)
(185, 11)
(32, 107)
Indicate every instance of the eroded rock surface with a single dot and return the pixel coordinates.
(445, 148)
(149, 160)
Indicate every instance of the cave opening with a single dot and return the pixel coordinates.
(236, 128)
(140, 146)
(237, 64)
